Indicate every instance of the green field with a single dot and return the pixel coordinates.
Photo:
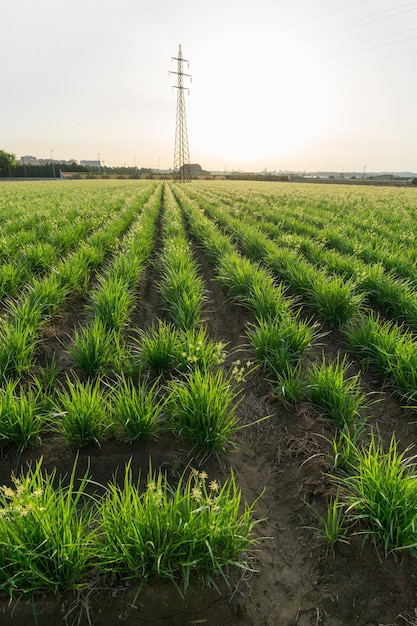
(197, 376)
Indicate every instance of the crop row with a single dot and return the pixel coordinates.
(57, 536)
(389, 293)
(338, 301)
(44, 229)
(128, 383)
(126, 394)
(279, 337)
(23, 319)
(375, 486)
(97, 346)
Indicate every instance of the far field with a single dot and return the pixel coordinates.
(252, 347)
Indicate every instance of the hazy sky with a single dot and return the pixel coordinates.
(294, 84)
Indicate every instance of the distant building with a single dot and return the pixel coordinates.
(28, 158)
(91, 163)
(196, 169)
(382, 177)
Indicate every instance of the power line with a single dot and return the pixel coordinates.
(359, 22)
(351, 51)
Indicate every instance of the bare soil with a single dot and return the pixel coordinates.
(297, 578)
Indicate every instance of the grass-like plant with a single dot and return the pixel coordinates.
(375, 341)
(164, 347)
(181, 286)
(390, 295)
(38, 257)
(46, 533)
(11, 277)
(280, 342)
(267, 300)
(45, 295)
(127, 267)
(336, 300)
(137, 409)
(197, 528)
(390, 349)
(202, 408)
(82, 412)
(336, 394)
(289, 265)
(112, 303)
(252, 286)
(74, 274)
(183, 301)
(155, 347)
(289, 384)
(382, 495)
(92, 348)
(333, 522)
(345, 449)
(21, 416)
(194, 349)
(44, 383)
(18, 342)
(332, 526)
(25, 312)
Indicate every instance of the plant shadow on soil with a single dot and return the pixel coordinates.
(297, 580)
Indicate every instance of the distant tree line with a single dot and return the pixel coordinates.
(9, 168)
(247, 176)
(130, 171)
(52, 170)
(46, 170)
(7, 161)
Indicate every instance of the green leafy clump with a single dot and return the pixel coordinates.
(194, 350)
(248, 283)
(381, 496)
(289, 385)
(345, 449)
(83, 412)
(334, 392)
(93, 347)
(112, 302)
(336, 300)
(21, 416)
(389, 348)
(18, 342)
(46, 533)
(181, 287)
(156, 346)
(202, 408)
(332, 525)
(137, 409)
(198, 527)
(56, 535)
(280, 342)
(163, 347)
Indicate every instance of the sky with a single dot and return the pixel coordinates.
(275, 85)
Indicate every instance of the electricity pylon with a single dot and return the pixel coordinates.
(182, 170)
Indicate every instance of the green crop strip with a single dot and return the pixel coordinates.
(181, 286)
(55, 535)
(99, 346)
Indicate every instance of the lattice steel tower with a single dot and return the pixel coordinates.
(182, 170)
